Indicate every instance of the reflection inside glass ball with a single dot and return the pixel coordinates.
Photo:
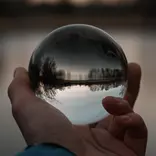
(75, 67)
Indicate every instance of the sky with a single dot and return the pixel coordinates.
(83, 106)
(79, 52)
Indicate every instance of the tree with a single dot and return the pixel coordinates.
(80, 77)
(48, 70)
(60, 74)
(103, 73)
(68, 76)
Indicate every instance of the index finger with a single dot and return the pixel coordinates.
(134, 77)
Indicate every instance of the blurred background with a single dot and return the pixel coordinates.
(24, 23)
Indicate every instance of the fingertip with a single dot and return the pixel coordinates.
(134, 68)
(134, 65)
(108, 100)
(110, 103)
(19, 71)
(20, 86)
(134, 77)
(116, 106)
(21, 76)
(111, 100)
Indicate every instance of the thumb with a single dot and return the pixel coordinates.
(20, 88)
(38, 121)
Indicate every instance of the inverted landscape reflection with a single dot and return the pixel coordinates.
(75, 67)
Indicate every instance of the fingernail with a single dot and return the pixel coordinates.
(126, 97)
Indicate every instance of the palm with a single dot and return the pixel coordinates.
(99, 142)
(96, 146)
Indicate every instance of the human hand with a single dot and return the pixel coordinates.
(121, 133)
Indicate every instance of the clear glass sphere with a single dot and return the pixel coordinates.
(75, 67)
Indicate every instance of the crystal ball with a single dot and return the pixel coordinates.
(75, 67)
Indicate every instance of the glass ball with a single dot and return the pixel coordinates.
(75, 67)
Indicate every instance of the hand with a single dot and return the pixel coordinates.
(123, 133)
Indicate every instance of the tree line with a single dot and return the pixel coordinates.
(52, 79)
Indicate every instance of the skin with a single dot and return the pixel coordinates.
(122, 133)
